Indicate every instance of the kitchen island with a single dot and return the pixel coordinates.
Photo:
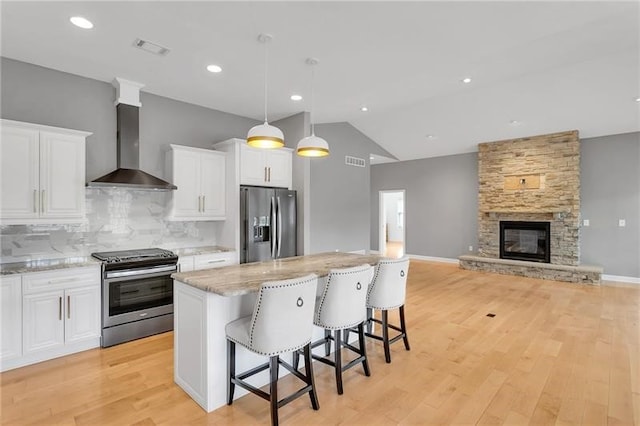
(205, 301)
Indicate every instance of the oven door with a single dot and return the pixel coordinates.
(136, 294)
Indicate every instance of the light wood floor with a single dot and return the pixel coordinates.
(554, 353)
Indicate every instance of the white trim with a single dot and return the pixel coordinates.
(621, 279)
(382, 243)
(43, 128)
(433, 259)
(358, 252)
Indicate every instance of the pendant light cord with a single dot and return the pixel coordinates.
(313, 67)
(266, 71)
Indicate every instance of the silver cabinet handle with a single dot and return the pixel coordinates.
(60, 308)
(199, 203)
(179, 267)
(265, 174)
(68, 306)
(269, 174)
(42, 202)
(35, 201)
(217, 261)
(203, 205)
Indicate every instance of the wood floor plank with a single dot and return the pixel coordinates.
(553, 353)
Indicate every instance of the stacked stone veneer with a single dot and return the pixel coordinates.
(555, 159)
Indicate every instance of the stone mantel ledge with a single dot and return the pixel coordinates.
(586, 274)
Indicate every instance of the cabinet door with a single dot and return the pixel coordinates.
(186, 176)
(19, 173)
(43, 321)
(279, 164)
(82, 313)
(253, 168)
(62, 175)
(212, 184)
(11, 317)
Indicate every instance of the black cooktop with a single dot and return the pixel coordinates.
(151, 255)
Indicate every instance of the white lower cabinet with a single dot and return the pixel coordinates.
(60, 314)
(10, 318)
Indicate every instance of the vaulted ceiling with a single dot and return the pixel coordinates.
(535, 67)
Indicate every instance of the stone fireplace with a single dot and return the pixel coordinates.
(535, 180)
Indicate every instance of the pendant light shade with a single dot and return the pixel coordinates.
(265, 135)
(312, 146)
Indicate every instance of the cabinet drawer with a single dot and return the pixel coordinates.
(214, 260)
(60, 279)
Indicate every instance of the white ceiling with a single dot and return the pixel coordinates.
(552, 66)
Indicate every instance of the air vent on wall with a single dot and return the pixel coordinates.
(150, 47)
(354, 161)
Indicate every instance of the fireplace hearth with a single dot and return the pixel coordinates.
(525, 241)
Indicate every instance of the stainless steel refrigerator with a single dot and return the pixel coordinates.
(267, 223)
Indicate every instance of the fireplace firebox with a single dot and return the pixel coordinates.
(525, 241)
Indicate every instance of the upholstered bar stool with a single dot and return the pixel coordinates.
(282, 322)
(387, 291)
(341, 306)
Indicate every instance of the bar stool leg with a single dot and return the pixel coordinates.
(273, 389)
(231, 370)
(327, 342)
(385, 336)
(403, 326)
(369, 322)
(338, 360)
(310, 380)
(363, 349)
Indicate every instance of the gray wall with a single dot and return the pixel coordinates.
(610, 190)
(339, 213)
(41, 95)
(441, 203)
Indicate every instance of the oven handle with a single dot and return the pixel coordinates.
(137, 272)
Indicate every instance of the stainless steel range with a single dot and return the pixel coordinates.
(137, 293)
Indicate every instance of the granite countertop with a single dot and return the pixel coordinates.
(236, 280)
(194, 251)
(40, 265)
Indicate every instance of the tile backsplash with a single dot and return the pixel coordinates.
(117, 219)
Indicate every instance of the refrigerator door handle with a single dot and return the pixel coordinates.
(279, 227)
(274, 228)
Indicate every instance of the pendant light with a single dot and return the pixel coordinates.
(312, 146)
(265, 135)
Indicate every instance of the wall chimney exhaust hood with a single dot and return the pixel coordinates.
(128, 173)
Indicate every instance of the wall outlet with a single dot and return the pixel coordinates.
(470, 248)
(622, 223)
(585, 222)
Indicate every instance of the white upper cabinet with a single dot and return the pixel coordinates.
(265, 167)
(199, 175)
(42, 174)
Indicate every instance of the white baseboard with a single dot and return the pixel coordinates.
(621, 279)
(433, 259)
(358, 252)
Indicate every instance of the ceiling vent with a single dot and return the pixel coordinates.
(150, 47)
(354, 161)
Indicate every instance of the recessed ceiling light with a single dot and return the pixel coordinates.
(431, 136)
(515, 122)
(364, 109)
(214, 68)
(81, 22)
(638, 99)
(466, 80)
(296, 97)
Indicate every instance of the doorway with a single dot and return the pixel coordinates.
(391, 223)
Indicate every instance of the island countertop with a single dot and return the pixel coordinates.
(236, 280)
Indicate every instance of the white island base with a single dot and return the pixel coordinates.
(200, 351)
